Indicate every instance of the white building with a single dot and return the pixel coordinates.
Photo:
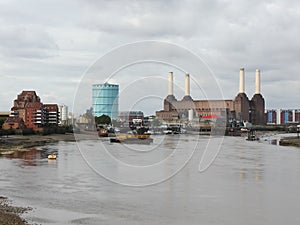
(63, 112)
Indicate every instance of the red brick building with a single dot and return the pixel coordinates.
(31, 111)
(52, 114)
(14, 123)
(241, 108)
(34, 114)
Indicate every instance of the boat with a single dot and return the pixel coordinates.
(103, 132)
(252, 136)
(106, 132)
(52, 156)
(244, 129)
(132, 139)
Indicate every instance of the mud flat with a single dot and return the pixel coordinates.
(290, 141)
(20, 143)
(10, 215)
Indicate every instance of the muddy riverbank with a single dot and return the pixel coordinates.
(10, 215)
(20, 142)
(290, 141)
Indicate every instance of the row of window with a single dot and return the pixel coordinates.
(206, 109)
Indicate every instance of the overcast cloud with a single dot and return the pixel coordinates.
(48, 45)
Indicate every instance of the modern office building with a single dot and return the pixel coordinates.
(106, 100)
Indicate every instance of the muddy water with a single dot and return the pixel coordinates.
(248, 183)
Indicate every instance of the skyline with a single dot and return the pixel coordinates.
(47, 46)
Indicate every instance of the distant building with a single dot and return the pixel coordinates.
(241, 108)
(30, 111)
(128, 116)
(106, 100)
(283, 116)
(4, 114)
(63, 115)
(51, 114)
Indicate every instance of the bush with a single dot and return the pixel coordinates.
(60, 130)
(8, 132)
(48, 130)
(28, 131)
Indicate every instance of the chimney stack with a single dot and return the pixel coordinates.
(170, 83)
(257, 81)
(242, 81)
(187, 85)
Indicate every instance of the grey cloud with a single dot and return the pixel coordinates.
(27, 42)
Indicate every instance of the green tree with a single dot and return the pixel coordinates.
(103, 119)
(2, 120)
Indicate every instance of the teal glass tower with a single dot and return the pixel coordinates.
(106, 100)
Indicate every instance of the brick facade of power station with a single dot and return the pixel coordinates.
(240, 109)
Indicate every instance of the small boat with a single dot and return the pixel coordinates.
(106, 132)
(52, 156)
(132, 139)
(103, 132)
(244, 129)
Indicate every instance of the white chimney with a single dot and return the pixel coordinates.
(170, 83)
(294, 115)
(187, 84)
(278, 117)
(257, 81)
(242, 81)
(191, 114)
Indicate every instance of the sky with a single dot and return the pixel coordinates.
(52, 46)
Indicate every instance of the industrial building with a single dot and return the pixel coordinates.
(29, 112)
(106, 100)
(283, 116)
(239, 109)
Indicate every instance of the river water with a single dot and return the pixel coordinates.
(248, 183)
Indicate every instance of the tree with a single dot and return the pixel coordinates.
(103, 119)
(156, 122)
(2, 120)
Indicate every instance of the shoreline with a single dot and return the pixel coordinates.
(290, 141)
(22, 143)
(11, 215)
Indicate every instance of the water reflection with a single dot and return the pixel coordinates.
(274, 142)
(32, 156)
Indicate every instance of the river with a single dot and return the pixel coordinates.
(96, 182)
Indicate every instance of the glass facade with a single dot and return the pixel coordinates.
(106, 100)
